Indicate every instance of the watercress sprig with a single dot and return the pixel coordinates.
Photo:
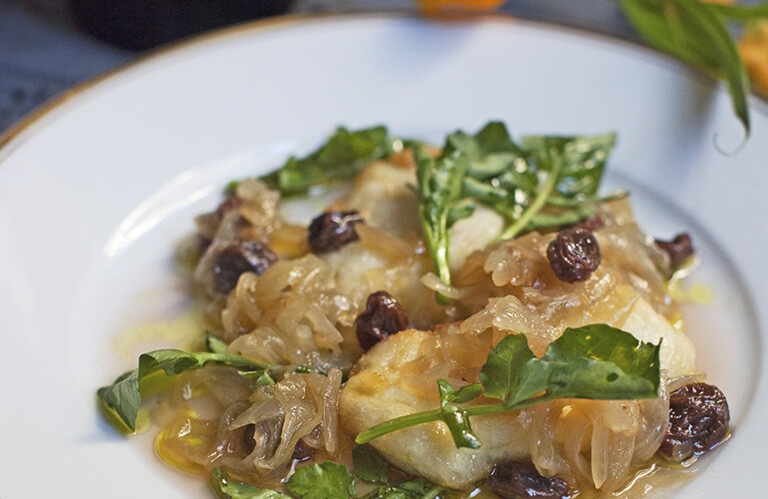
(342, 156)
(122, 399)
(227, 488)
(439, 190)
(545, 182)
(592, 362)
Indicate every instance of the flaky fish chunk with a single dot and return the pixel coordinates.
(381, 389)
(398, 377)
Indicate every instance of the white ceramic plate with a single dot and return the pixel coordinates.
(95, 192)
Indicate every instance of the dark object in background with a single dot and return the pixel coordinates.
(142, 24)
(678, 249)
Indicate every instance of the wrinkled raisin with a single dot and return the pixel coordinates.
(678, 249)
(574, 254)
(518, 480)
(302, 451)
(330, 231)
(383, 316)
(237, 258)
(698, 421)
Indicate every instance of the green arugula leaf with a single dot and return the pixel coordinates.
(457, 420)
(340, 158)
(502, 370)
(601, 362)
(583, 160)
(415, 489)
(439, 190)
(697, 33)
(369, 465)
(122, 399)
(592, 362)
(464, 394)
(322, 481)
(215, 344)
(226, 488)
(261, 376)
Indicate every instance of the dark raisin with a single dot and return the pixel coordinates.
(302, 451)
(678, 249)
(237, 258)
(698, 421)
(382, 317)
(330, 231)
(574, 254)
(593, 223)
(248, 437)
(265, 433)
(517, 480)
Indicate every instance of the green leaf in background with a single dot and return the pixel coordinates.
(592, 362)
(369, 465)
(122, 399)
(739, 12)
(226, 488)
(696, 32)
(328, 480)
(215, 344)
(340, 158)
(439, 190)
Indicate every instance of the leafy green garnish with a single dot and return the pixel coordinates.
(340, 158)
(121, 401)
(697, 32)
(215, 344)
(548, 181)
(592, 362)
(439, 189)
(369, 465)
(328, 480)
(261, 376)
(123, 398)
(414, 489)
(226, 488)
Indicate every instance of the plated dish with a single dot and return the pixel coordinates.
(114, 208)
(462, 319)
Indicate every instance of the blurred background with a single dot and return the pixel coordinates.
(47, 46)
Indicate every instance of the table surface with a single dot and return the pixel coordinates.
(42, 53)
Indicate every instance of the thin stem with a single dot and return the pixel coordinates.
(435, 415)
(537, 204)
(398, 424)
